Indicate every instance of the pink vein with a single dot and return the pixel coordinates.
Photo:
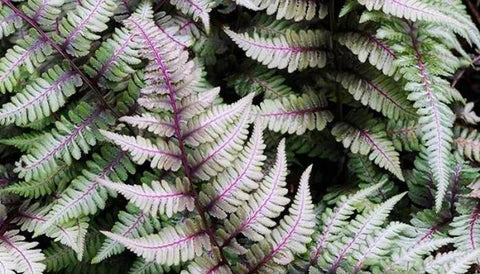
(431, 98)
(105, 172)
(68, 139)
(25, 258)
(177, 242)
(473, 222)
(114, 57)
(43, 220)
(219, 148)
(171, 37)
(369, 139)
(253, 216)
(288, 49)
(290, 113)
(284, 239)
(82, 24)
(131, 190)
(153, 151)
(232, 109)
(381, 44)
(41, 96)
(238, 178)
(20, 60)
(325, 234)
(381, 92)
(340, 257)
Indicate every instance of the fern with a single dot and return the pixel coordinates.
(179, 136)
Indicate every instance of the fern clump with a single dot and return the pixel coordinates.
(247, 136)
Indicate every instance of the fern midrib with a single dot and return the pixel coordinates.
(366, 253)
(284, 240)
(386, 96)
(165, 75)
(72, 35)
(239, 177)
(371, 140)
(19, 251)
(64, 55)
(473, 222)
(43, 220)
(76, 131)
(22, 57)
(269, 45)
(115, 56)
(253, 215)
(432, 100)
(379, 43)
(104, 173)
(172, 37)
(225, 143)
(127, 232)
(64, 78)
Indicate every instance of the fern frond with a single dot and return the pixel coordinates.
(27, 54)
(130, 224)
(290, 236)
(140, 266)
(71, 234)
(295, 51)
(430, 11)
(455, 262)
(9, 22)
(24, 258)
(85, 195)
(229, 189)
(41, 98)
(212, 158)
(254, 217)
(359, 228)
(404, 135)
(72, 137)
(114, 59)
(199, 9)
(467, 143)
(164, 248)
(295, 114)
(368, 47)
(61, 175)
(81, 26)
(366, 136)
(288, 9)
(334, 220)
(161, 154)
(207, 264)
(379, 92)
(159, 198)
(260, 80)
(204, 127)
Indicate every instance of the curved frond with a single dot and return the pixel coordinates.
(295, 51)
(171, 246)
(157, 199)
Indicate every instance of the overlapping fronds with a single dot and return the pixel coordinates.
(20, 254)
